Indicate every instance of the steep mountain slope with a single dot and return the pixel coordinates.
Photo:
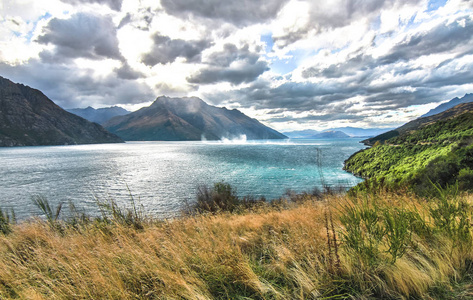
(29, 118)
(100, 115)
(420, 123)
(181, 119)
(454, 102)
(436, 149)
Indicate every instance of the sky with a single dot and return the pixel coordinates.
(293, 65)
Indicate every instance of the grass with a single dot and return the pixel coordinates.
(331, 246)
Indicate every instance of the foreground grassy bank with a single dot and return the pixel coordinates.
(378, 245)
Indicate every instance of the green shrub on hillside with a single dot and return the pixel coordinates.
(441, 153)
(6, 221)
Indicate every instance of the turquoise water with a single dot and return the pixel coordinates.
(162, 175)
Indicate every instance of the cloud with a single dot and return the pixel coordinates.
(230, 54)
(126, 72)
(240, 13)
(82, 35)
(427, 59)
(236, 75)
(327, 15)
(230, 65)
(125, 20)
(442, 38)
(69, 87)
(140, 18)
(364, 91)
(166, 50)
(113, 4)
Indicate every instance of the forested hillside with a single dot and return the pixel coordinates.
(440, 152)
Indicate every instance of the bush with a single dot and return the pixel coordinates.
(221, 198)
(5, 221)
(465, 179)
(368, 226)
(126, 216)
(451, 214)
(51, 214)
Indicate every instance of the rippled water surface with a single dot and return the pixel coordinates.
(164, 174)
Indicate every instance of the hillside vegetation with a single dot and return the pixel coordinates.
(438, 152)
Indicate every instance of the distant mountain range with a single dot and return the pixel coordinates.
(182, 119)
(454, 102)
(29, 118)
(314, 134)
(100, 115)
(340, 132)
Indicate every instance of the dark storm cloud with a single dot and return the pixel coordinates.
(230, 54)
(83, 35)
(290, 96)
(393, 100)
(219, 67)
(243, 12)
(69, 88)
(165, 50)
(125, 20)
(113, 4)
(349, 67)
(126, 72)
(238, 75)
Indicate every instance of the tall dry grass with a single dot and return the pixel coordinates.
(292, 251)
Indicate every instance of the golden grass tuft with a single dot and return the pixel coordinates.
(265, 253)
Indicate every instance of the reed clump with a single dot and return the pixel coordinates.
(331, 246)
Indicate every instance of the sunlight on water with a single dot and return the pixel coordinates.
(162, 175)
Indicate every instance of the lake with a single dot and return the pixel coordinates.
(162, 175)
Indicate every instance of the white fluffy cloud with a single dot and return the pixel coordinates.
(291, 63)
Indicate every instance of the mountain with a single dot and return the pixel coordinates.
(29, 118)
(314, 134)
(420, 122)
(450, 104)
(330, 134)
(361, 132)
(432, 150)
(100, 115)
(301, 134)
(182, 119)
(348, 131)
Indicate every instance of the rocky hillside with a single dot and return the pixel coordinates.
(183, 119)
(100, 115)
(29, 118)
